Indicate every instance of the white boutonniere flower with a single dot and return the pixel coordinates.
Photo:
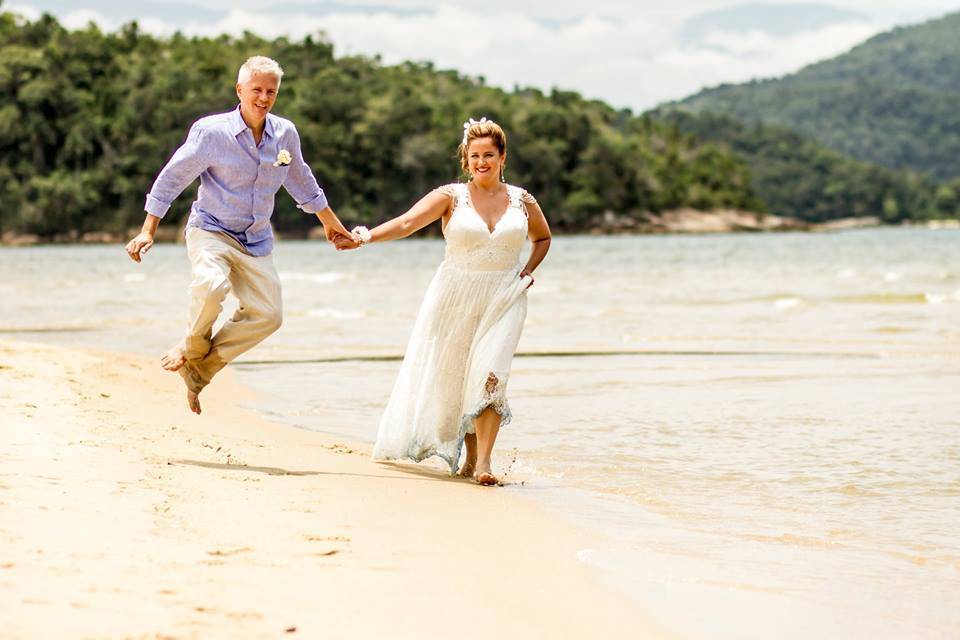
(283, 158)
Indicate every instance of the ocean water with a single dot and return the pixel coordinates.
(766, 427)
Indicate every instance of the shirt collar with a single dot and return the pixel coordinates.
(238, 126)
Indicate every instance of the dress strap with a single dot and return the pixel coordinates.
(523, 198)
(452, 191)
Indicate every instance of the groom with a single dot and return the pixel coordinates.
(242, 157)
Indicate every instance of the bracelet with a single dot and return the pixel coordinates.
(363, 233)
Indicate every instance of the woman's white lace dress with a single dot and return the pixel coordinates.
(458, 360)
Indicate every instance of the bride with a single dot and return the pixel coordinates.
(451, 389)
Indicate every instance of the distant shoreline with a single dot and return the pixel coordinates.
(681, 221)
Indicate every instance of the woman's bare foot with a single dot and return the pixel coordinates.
(174, 359)
(484, 475)
(470, 462)
(193, 400)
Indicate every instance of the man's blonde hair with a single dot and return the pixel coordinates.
(259, 64)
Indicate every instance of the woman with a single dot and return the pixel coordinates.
(451, 388)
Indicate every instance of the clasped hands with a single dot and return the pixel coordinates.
(339, 237)
(344, 242)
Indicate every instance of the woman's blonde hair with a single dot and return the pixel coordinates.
(483, 129)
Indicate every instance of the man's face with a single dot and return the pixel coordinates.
(257, 95)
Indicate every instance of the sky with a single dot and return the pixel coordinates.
(630, 53)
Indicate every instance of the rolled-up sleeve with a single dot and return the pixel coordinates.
(300, 182)
(186, 164)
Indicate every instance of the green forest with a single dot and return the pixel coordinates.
(88, 118)
(890, 101)
(794, 175)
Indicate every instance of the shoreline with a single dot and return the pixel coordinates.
(681, 222)
(129, 516)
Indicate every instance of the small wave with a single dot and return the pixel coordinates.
(324, 277)
(792, 540)
(882, 298)
(528, 468)
(893, 330)
(782, 304)
(944, 560)
(134, 277)
(854, 490)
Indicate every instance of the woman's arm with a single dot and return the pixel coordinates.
(539, 233)
(430, 207)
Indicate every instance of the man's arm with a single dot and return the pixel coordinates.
(302, 186)
(184, 166)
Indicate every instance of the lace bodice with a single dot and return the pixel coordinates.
(471, 245)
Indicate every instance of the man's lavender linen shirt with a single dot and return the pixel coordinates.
(238, 182)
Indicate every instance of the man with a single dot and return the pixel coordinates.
(242, 157)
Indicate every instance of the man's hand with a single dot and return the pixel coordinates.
(346, 242)
(137, 247)
(334, 229)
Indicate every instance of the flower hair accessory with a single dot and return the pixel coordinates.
(469, 123)
(283, 158)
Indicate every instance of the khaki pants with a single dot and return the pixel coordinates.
(220, 265)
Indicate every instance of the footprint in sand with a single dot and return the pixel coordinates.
(226, 455)
(229, 552)
(332, 550)
(339, 448)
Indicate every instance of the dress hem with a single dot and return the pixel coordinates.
(499, 405)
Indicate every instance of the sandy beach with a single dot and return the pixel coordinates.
(125, 516)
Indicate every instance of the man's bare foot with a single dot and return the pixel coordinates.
(174, 359)
(193, 399)
(483, 475)
(466, 471)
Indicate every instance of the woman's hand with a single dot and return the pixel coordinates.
(526, 272)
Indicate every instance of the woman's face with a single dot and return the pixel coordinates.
(484, 160)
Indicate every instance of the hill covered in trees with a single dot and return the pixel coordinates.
(890, 101)
(796, 176)
(87, 119)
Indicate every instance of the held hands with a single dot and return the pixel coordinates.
(339, 237)
(139, 246)
(358, 237)
(346, 242)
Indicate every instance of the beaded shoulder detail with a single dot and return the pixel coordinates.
(451, 190)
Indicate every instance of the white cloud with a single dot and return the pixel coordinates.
(27, 11)
(634, 62)
(625, 52)
(156, 27)
(80, 18)
(737, 58)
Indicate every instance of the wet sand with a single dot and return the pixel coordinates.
(123, 515)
